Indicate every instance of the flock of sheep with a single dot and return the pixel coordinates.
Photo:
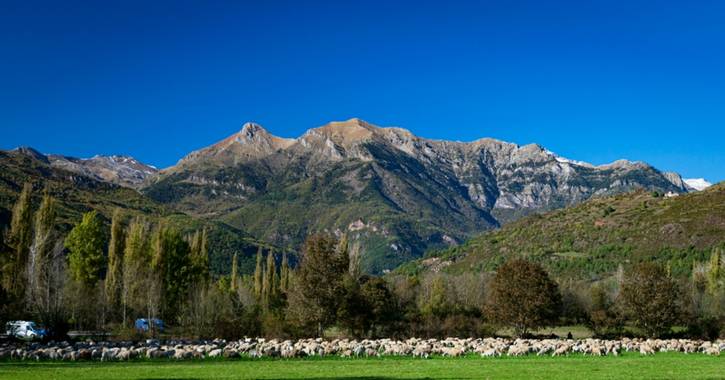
(257, 348)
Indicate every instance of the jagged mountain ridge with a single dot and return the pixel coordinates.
(120, 170)
(347, 140)
(124, 171)
(396, 193)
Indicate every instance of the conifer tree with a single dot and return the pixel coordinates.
(114, 275)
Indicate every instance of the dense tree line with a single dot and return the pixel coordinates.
(101, 278)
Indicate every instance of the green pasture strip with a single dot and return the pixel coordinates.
(631, 366)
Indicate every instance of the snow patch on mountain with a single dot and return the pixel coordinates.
(568, 161)
(698, 184)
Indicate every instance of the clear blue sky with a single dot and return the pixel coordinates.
(590, 80)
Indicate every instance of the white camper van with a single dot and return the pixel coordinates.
(25, 330)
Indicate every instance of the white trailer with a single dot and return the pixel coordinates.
(24, 330)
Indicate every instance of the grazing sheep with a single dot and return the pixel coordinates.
(491, 352)
(421, 348)
(645, 349)
(562, 350)
(715, 351)
(517, 350)
(452, 351)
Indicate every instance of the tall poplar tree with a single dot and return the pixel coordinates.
(114, 275)
(713, 273)
(270, 283)
(172, 265)
(234, 279)
(41, 252)
(258, 274)
(86, 242)
(46, 271)
(136, 267)
(19, 239)
(284, 274)
(199, 247)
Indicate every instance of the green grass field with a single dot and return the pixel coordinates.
(632, 366)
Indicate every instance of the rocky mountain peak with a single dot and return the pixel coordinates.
(117, 169)
(340, 139)
(251, 129)
(121, 170)
(31, 152)
(530, 153)
(343, 132)
(250, 133)
(251, 142)
(623, 164)
(676, 180)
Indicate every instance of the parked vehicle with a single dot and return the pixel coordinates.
(24, 330)
(144, 325)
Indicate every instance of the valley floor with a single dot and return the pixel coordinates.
(630, 366)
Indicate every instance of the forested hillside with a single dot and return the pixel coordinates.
(77, 194)
(591, 240)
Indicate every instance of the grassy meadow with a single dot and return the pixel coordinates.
(631, 366)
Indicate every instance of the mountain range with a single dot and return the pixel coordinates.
(395, 194)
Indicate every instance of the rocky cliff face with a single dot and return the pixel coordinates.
(396, 194)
